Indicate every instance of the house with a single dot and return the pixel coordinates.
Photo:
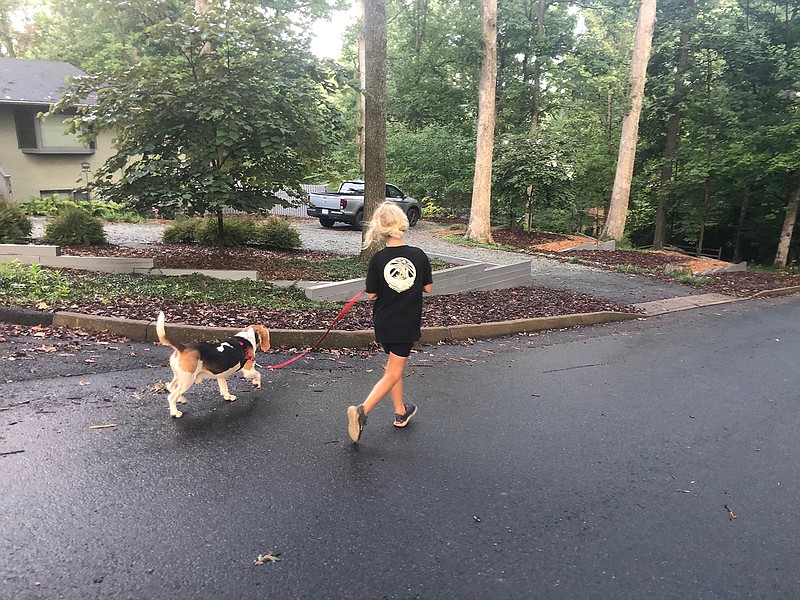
(37, 158)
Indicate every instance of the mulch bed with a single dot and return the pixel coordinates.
(450, 310)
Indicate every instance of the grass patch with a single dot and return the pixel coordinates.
(462, 241)
(626, 268)
(688, 279)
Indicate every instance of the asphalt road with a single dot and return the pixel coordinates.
(590, 463)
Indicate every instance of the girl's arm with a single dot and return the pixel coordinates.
(427, 289)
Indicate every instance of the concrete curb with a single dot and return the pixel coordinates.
(145, 331)
(795, 289)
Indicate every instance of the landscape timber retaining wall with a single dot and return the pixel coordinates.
(50, 256)
(464, 278)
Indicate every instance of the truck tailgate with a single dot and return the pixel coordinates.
(330, 201)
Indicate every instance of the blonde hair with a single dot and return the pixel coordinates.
(388, 221)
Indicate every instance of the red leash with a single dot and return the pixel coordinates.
(342, 313)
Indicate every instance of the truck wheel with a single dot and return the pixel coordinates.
(413, 216)
(326, 222)
(359, 222)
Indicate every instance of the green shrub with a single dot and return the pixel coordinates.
(236, 231)
(15, 226)
(277, 233)
(43, 206)
(74, 226)
(182, 232)
(49, 206)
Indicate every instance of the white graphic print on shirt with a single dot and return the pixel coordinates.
(399, 274)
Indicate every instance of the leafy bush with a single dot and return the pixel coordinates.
(182, 232)
(237, 232)
(75, 227)
(277, 233)
(48, 206)
(15, 226)
(272, 233)
(31, 283)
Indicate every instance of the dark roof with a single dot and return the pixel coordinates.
(24, 81)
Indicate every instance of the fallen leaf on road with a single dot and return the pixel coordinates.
(84, 382)
(477, 518)
(684, 491)
(158, 386)
(731, 514)
(265, 558)
(106, 426)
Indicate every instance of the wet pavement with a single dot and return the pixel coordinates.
(655, 459)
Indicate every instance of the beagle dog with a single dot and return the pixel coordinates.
(212, 360)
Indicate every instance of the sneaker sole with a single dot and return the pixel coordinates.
(407, 420)
(352, 423)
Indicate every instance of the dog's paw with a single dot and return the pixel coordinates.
(177, 414)
(256, 384)
(230, 397)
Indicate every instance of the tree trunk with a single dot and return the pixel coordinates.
(536, 104)
(614, 227)
(671, 143)
(789, 220)
(362, 74)
(375, 110)
(479, 228)
(704, 215)
(737, 239)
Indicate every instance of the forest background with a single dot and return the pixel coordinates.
(718, 152)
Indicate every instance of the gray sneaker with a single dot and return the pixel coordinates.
(402, 420)
(356, 419)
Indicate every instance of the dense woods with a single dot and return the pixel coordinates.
(717, 147)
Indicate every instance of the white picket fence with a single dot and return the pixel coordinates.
(298, 209)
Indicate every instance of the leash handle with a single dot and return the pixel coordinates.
(342, 313)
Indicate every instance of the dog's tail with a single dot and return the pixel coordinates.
(162, 334)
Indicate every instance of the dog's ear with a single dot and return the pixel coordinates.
(262, 335)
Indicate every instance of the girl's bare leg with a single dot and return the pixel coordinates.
(392, 381)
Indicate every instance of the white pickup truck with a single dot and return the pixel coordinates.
(347, 205)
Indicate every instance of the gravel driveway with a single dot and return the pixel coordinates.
(619, 287)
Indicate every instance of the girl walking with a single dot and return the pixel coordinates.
(396, 278)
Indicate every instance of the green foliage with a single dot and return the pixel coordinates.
(236, 232)
(220, 110)
(273, 232)
(48, 206)
(184, 231)
(15, 226)
(435, 162)
(277, 233)
(690, 279)
(75, 227)
(537, 164)
(23, 284)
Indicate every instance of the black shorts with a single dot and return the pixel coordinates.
(401, 349)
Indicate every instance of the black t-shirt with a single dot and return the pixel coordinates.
(398, 274)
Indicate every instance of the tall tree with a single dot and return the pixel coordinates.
(614, 227)
(789, 220)
(479, 228)
(673, 125)
(375, 125)
(202, 129)
(362, 79)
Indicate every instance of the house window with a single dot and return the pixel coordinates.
(77, 194)
(36, 136)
